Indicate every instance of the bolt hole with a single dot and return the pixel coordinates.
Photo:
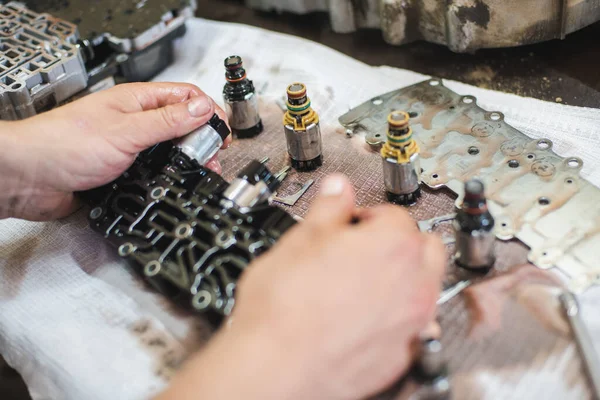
(543, 201)
(495, 116)
(530, 156)
(473, 150)
(569, 181)
(413, 114)
(377, 102)
(504, 224)
(451, 107)
(435, 176)
(434, 83)
(513, 164)
(545, 253)
(543, 144)
(573, 163)
(378, 135)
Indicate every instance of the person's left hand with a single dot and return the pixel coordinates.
(90, 142)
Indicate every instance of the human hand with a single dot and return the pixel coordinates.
(91, 142)
(331, 312)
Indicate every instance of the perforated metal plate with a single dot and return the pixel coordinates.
(535, 195)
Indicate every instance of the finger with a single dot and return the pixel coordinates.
(334, 205)
(387, 222)
(435, 257)
(135, 97)
(214, 165)
(169, 122)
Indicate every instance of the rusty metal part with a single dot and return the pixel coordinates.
(535, 195)
(462, 25)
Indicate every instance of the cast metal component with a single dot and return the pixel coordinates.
(173, 220)
(302, 130)
(203, 143)
(453, 291)
(40, 64)
(462, 25)
(534, 194)
(130, 38)
(432, 372)
(400, 156)
(241, 101)
(474, 230)
(292, 199)
(583, 339)
(428, 225)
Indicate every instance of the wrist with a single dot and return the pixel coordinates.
(13, 166)
(240, 363)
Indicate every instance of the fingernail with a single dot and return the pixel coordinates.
(200, 106)
(333, 186)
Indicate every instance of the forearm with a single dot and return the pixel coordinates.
(242, 365)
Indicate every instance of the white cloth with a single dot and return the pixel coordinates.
(77, 325)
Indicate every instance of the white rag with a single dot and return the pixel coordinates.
(78, 325)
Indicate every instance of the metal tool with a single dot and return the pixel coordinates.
(241, 101)
(452, 292)
(583, 339)
(429, 224)
(400, 156)
(302, 130)
(293, 199)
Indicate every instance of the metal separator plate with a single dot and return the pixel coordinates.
(40, 64)
(535, 195)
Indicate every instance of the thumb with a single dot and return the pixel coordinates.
(335, 203)
(171, 121)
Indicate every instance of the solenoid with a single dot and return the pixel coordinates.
(302, 130)
(400, 155)
(474, 230)
(241, 101)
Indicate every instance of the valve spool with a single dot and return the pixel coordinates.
(241, 100)
(474, 230)
(302, 130)
(401, 166)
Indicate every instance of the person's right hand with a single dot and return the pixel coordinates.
(330, 312)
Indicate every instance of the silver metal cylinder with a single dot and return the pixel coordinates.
(474, 250)
(243, 194)
(304, 145)
(401, 178)
(243, 114)
(202, 144)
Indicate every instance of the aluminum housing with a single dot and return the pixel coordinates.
(40, 63)
(462, 25)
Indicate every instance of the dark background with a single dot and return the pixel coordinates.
(567, 69)
(564, 71)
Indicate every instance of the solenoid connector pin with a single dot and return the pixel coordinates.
(401, 166)
(474, 230)
(302, 130)
(241, 101)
